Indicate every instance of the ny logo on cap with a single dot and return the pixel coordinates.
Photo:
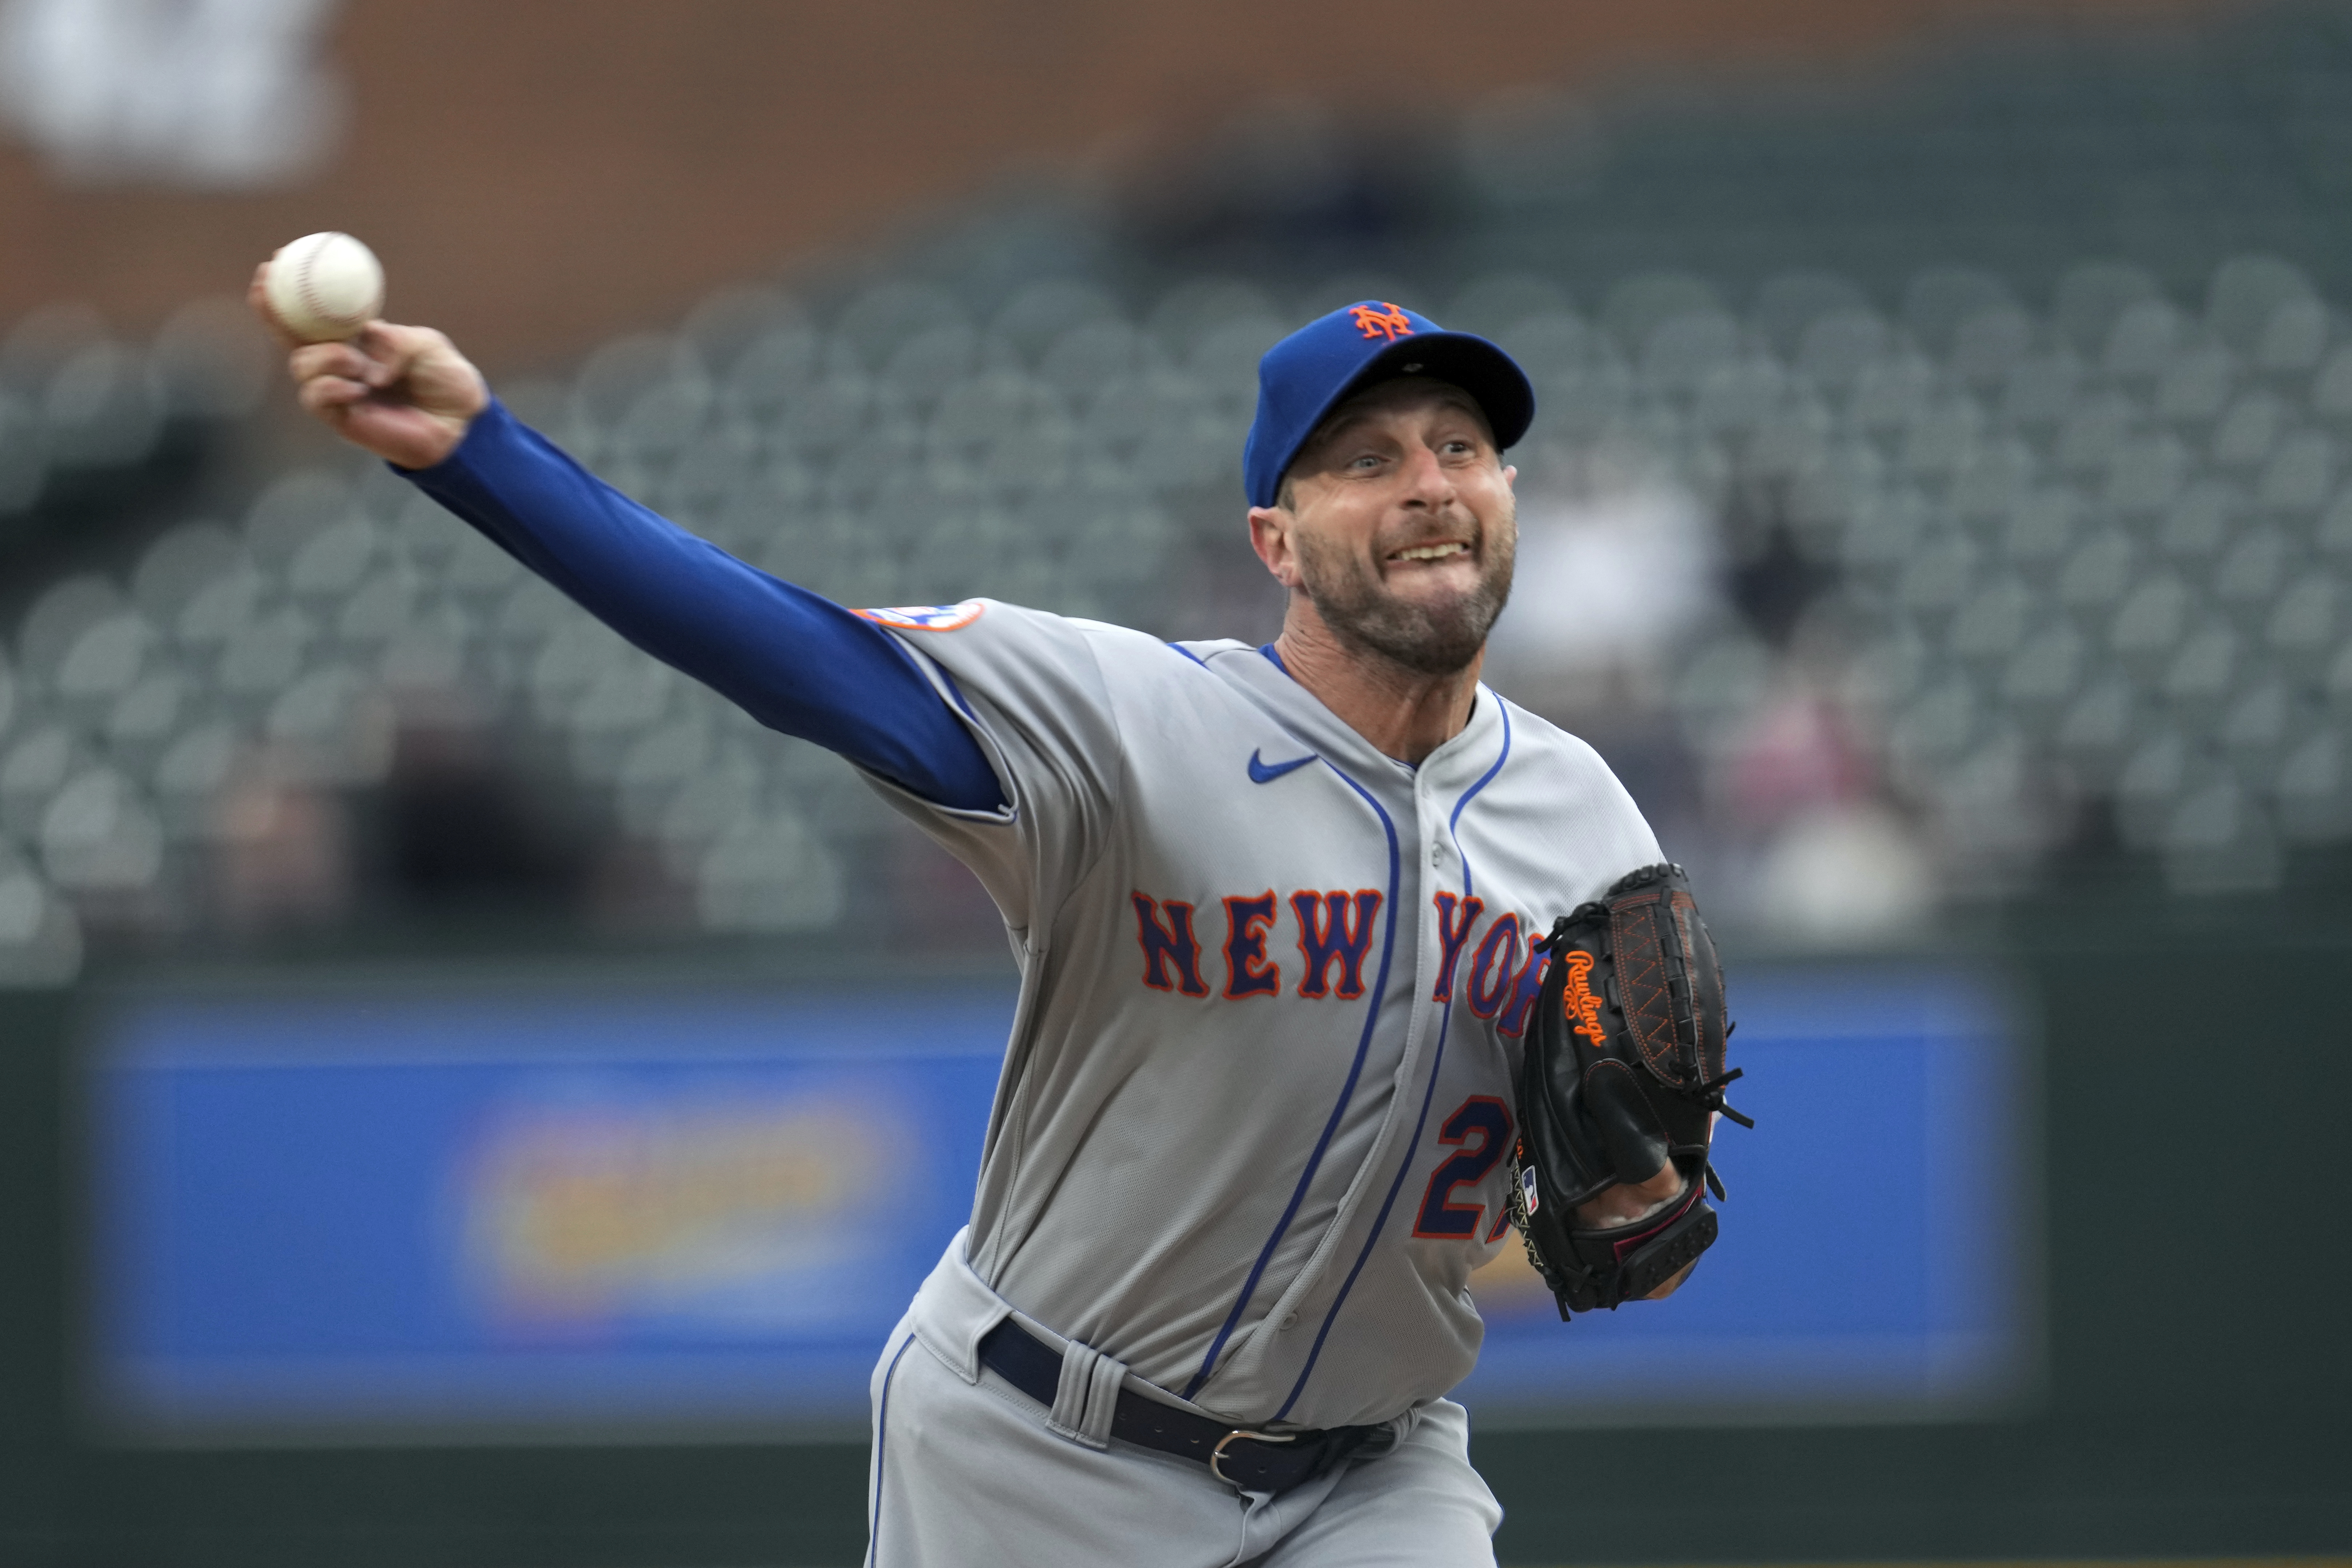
(1388, 321)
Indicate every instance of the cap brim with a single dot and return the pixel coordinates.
(1494, 381)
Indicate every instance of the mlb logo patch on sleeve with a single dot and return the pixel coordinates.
(927, 617)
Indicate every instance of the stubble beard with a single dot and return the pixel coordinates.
(1428, 639)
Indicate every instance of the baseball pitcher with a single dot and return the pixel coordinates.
(1285, 919)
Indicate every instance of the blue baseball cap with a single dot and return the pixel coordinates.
(1308, 373)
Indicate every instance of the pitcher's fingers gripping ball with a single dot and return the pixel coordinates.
(324, 287)
(405, 394)
(1622, 1082)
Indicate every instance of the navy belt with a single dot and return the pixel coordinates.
(1251, 1461)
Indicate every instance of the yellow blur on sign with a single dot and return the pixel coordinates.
(582, 1212)
(1508, 1286)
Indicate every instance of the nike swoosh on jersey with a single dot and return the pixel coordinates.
(1262, 771)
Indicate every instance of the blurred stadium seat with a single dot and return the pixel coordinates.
(2059, 537)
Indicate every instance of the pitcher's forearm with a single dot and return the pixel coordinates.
(793, 660)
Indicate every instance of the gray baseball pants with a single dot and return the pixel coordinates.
(970, 1472)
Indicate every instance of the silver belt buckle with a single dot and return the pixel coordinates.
(1217, 1454)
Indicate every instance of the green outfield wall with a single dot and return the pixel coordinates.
(2192, 1074)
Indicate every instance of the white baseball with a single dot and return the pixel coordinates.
(325, 286)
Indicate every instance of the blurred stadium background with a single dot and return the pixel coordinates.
(1939, 513)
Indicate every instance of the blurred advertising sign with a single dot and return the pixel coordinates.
(531, 1213)
(386, 1217)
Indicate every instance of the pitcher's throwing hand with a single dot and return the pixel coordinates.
(405, 394)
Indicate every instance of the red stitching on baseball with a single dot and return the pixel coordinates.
(311, 299)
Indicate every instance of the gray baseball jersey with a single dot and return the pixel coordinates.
(1251, 1135)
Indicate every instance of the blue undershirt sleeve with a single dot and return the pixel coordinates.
(795, 661)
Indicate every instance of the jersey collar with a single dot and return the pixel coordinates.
(1259, 673)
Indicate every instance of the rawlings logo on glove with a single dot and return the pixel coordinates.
(1577, 1000)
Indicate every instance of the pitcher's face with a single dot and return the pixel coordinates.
(1399, 525)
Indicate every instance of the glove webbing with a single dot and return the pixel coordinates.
(1707, 1092)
